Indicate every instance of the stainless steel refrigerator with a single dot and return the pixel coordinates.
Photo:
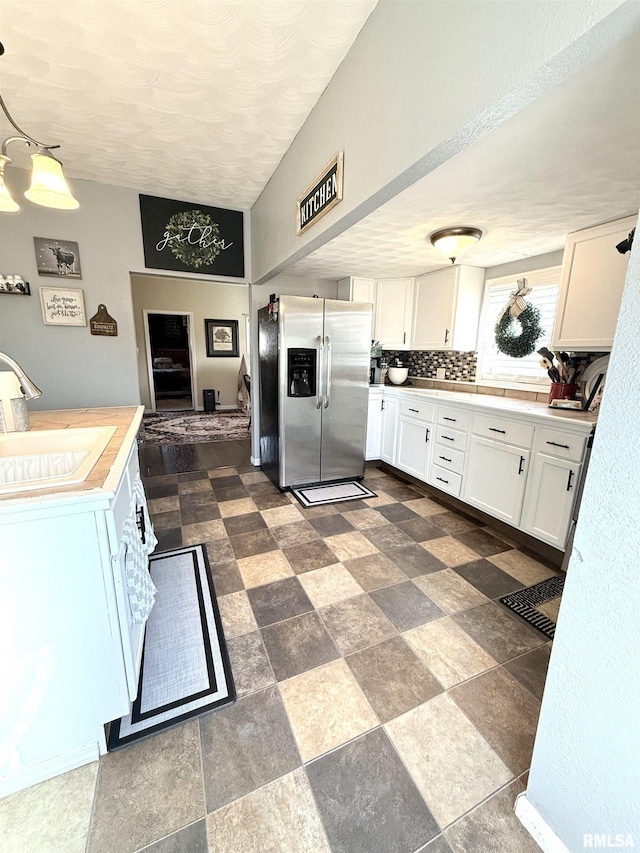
(314, 389)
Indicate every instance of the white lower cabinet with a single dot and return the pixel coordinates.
(374, 425)
(389, 427)
(496, 478)
(414, 442)
(550, 497)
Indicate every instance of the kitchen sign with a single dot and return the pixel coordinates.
(321, 195)
(186, 237)
(103, 323)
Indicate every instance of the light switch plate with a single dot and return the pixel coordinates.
(440, 371)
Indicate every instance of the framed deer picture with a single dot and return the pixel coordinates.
(59, 258)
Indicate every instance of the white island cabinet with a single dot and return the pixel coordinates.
(70, 648)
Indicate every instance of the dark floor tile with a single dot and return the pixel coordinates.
(453, 523)
(415, 561)
(356, 623)
(219, 551)
(392, 678)
(531, 670)
(193, 512)
(504, 712)
(298, 533)
(402, 493)
(166, 520)
(221, 483)
(279, 600)
(482, 542)
(297, 645)
(499, 633)
(250, 663)
(405, 605)
(160, 490)
(244, 523)
(163, 480)
(191, 839)
(310, 556)
(252, 543)
(486, 577)
(271, 500)
(398, 512)
(310, 512)
(226, 576)
(351, 506)
(192, 475)
(387, 536)
(419, 529)
(245, 746)
(332, 525)
(374, 571)
(246, 469)
(438, 845)
(234, 493)
(367, 800)
(264, 487)
(168, 539)
(195, 500)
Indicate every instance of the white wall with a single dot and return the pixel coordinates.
(282, 285)
(423, 81)
(585, 774)
(73, 367)
(204, 299)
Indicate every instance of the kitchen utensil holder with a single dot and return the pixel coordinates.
(562, 391)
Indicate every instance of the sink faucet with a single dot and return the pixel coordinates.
(14, 392)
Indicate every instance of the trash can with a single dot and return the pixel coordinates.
(209, 396)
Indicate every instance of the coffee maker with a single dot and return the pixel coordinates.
(375, 368)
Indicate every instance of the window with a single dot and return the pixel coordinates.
(494, 366)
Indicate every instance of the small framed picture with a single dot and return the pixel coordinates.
(222, 338)
(59, 258)
(62, 306)
(14, 284)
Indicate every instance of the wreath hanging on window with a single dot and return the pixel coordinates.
(517, 312)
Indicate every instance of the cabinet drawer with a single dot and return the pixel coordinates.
(446, 457)
(566, 445)
(498, 429)
(446, 480)
(453, 418)
(417, 409)
(449, 438)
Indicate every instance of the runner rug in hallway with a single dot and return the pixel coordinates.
(538, 604)
(185, 667)
(195, 427)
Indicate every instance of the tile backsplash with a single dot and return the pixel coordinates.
(459, 366)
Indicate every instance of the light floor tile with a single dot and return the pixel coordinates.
(264, 568)
(254, 477)
(450, 551)
(279, 515)
(451, 763)
(448, 651)
(281, 817)
(216, 473)
(346, 546)
(381, 499)
(450, 592)
(426, 507)
(52, 816)
(330, 584)
(170, 504)
(203, 531)
(326, 708)
(237, 615)
(362, 519)
(242, 506)
(522, 567)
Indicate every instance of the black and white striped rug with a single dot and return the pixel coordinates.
(538, 604)
(185, 667)
(332, 493)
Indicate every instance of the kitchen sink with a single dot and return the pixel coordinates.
(46, 458)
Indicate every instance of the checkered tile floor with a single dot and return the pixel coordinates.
(386, 700)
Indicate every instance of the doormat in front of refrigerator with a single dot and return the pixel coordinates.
(332, 493)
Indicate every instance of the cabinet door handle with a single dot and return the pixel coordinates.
(445, 418)
(141, 524)
(417, 411)
(442, 481)
(569, 481)
(426, 437)
(404, 337)
(555, 444)
(493, 429)
(521, 468)
(445, 458)
(382, 405)
(448, 438)
(446, 335)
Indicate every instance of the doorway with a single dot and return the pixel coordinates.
(170, 360)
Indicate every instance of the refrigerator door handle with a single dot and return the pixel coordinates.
(327, 383)
(319, 373)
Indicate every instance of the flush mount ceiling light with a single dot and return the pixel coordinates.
(48, 185)
(453, 242)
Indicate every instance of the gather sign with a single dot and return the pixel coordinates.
(321, 195)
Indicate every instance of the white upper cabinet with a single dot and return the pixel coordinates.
(446, 309)
(593, 275)
(394, 303)
(357, 290)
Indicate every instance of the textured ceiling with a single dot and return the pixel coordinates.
(196, 99)
(569, 161)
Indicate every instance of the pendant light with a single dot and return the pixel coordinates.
(48, 184)
(454, 242)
